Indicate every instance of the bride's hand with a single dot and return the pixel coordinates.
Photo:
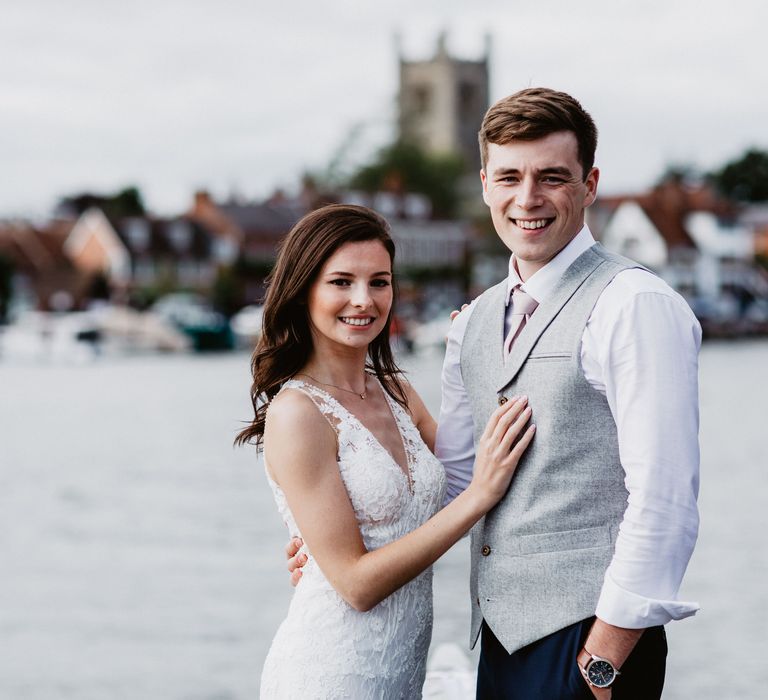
(456, 312)
(500, 448)
(295, 560)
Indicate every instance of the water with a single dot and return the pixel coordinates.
(142, 555)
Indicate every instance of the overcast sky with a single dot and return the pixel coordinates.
(237, 95)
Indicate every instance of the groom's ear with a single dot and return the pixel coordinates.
(591, 184)
(484, 181)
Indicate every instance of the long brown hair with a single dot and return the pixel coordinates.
(286, 341)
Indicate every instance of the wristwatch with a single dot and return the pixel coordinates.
(597, 671)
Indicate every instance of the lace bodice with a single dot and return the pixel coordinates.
(325, 648)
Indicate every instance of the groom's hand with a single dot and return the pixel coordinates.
(295, 560)
(612, 643)
(601, 693)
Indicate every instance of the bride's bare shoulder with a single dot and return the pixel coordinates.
(293, 412)
(297, 437)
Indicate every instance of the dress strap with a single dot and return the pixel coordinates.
(329, 408)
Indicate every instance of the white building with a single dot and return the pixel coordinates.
(689, 236)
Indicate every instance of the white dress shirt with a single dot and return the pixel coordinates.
(640, 349)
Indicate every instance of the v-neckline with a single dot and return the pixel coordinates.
(406, 471)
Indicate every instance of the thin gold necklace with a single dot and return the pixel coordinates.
(362, 395)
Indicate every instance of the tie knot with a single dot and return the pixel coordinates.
(523, 303)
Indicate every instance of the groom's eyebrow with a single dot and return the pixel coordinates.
(556, 170)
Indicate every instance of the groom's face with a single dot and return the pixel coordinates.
(537, 194)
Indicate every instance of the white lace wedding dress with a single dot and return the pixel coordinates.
(325, 648)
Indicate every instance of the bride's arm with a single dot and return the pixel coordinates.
(301, 454)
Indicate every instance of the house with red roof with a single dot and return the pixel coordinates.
(695, 239)
(42, 275)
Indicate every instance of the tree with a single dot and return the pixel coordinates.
(126, 202)
(404, 167)
(227, 291)
(744, 179)
(680, 173)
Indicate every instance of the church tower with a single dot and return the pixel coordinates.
(442, 102)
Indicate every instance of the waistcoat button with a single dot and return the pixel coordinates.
(502, 400)
(486, 550)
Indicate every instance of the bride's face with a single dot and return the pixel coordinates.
(349, 302)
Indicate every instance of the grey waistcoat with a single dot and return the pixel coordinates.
(539, 557)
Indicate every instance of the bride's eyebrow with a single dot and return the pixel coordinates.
(339, 273)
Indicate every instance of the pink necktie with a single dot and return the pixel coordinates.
(523, 306)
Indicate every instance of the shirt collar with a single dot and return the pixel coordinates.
(541, 284)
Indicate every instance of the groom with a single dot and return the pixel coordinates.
(578, 568)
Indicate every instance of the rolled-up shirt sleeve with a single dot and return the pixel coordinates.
(455, 445)
(645, 351)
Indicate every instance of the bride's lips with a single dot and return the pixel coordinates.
(358, 322)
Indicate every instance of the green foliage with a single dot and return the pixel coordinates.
(227, 291)
(404, 167)
(336, 173)
(679, 173)
(746, 178)
(126, 202)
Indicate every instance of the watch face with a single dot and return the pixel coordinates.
(601, 673)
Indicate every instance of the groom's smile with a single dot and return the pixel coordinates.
(532, 224)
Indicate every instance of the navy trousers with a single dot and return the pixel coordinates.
(547, 670)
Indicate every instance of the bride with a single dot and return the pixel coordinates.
(347, 450)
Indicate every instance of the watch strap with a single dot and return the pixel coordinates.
(583, 658)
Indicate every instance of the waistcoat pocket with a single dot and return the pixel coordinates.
(548, 356)
(564, 540)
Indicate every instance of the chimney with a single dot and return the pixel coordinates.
(203, 203)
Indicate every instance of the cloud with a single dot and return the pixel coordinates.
(249, 94)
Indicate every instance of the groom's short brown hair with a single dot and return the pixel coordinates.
(534, 113)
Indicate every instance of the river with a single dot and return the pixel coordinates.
(142, 554)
